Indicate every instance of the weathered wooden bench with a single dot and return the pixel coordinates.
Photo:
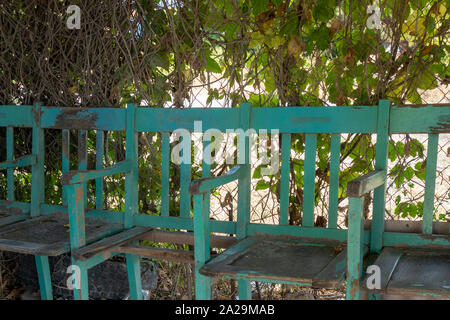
(305, 255)
(413, 257)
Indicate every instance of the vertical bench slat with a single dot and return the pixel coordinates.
(165, 166)
(430, 184)
(381, 157)
(335, 153)
(284, 181)
(244, 191)
(309, 180)
(99, 153)
(206, 172)
(65, 161)
(132, 201)
(9, 157)
(82, 157)
(185, 181)
(37, 170)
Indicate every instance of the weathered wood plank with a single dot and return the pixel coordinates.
(202, 185)
(24, 161)
(185, 180)
(366, 183)
(65, 161)
(159, 253)
(430, 183)
(379, 194)
(16, 116)
(333, 275)
(80, 176)
(284, 181)
(37, 169)
(335, 150)
(387, 262)
(107, 119)
(422, 274)
(309, 180)
(99, 154)
(107, 244)
(9, 158)
(165, 170)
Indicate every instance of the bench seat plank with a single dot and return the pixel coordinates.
(49, 235)
(283, 259)
(108, 243)
(387, 262)
(422, 272)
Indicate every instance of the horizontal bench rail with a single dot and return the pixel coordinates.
(79, 176)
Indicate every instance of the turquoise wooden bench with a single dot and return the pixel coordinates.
(305, 255)
(37, 228)
(413, 257)
(317, 257)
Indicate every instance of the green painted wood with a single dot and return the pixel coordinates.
(244, 192)
(99, 155)
(16, 116)
(345, 119)
(355, 248)
(185, 180)
(366, 183)
(44, 277)
(65, 161)
(420, 119)
(132, 201)
(296, 231)
(430, 184)
(391, 239)
(76, 210)
(81, 176)
(203, 185)
(284, 181)
(335, 153)
(106, 119)
(37, 170)
(202, 247)
(168, 120)
(82, 157)
(206, 172)
(360, 119)
(379, 194)
(9, 157)
(309, 180)
(24, 161)
(165, 170)
(107, 244)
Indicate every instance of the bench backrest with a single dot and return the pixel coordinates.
(308, 120)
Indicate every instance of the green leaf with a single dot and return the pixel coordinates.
(213, 66)
(259, 6)
(261, 185)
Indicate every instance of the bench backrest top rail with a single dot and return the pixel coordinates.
(353, 119)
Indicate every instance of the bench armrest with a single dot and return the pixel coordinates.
(19, 162)
(361, 185)
(202, 185)
(78, 176)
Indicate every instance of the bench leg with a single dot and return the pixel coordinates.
(134, 276)
(80, 278)
(45, 280)
(355, 248)
(245, 290)
(202, 286)
(201, 247)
